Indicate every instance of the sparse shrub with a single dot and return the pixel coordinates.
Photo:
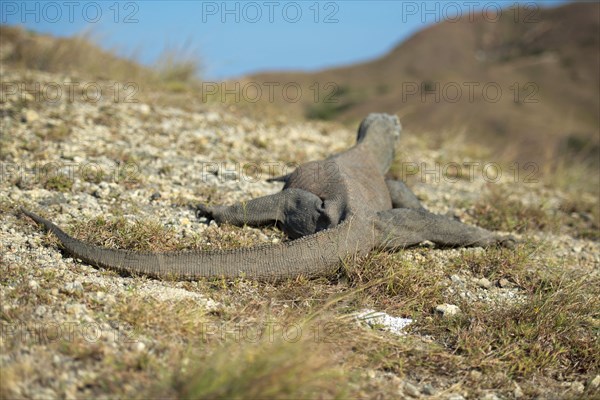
(383, 89)
(497, 211)
(177, 70)
(327, 111)
(331, 107)
(61, 183)
(428, 86)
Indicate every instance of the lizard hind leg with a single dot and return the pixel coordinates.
(404, 227)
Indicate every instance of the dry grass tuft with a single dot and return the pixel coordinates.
(550, 333)
(395, 284)
(266, 370)
(120, 233)
(81, 56)
(497, 211)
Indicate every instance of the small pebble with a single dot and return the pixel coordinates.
(475, 375)
(185, 221)
(595, 383)
(490, 396)
(411, 390)
(428, 389)
(29, 115)
(578, 387)
(484, 283)
(518, 392)
(73, 287)
(155, 196)
(503, 283)
(139, 346)
(40, 311)
(447, 310)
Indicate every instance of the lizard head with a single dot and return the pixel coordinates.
(380, 127)
(378, 133)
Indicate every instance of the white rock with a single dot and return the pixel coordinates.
(40, 311)
(33, 285)
(212, 117)
(595, 383)
(29, 115)
(503, 283)
(428, 389)
(144, 109)
(484, 283)
(490, 396)
(518, 392)
(578, 387)
(475, 375)
(75, 309)
(139, 346)
(411, 390)
(384, 321)
(73, 287)
(447, 310)
(185, 221)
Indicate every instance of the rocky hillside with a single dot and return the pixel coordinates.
(527, 83)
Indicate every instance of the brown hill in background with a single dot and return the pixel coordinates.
(446, 78)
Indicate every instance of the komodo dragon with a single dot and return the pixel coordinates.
(332, 208)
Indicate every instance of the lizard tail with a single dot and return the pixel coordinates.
(317, 254)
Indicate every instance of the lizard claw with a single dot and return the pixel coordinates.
(509, 242)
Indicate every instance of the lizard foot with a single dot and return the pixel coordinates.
(203, 211)
(509, 242)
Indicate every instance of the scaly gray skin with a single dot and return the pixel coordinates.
(332, 208)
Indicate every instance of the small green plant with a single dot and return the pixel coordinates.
(93, 175)
(58, 132)
(383, 88)
(327, 111)
(332, 106)
(428, 86)
(59, 182)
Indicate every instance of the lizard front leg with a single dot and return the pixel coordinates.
(403, 227)
(402, 196)
(297, 212)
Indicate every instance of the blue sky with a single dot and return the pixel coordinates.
(234, 38)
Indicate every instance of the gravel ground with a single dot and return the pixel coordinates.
(155, 163)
